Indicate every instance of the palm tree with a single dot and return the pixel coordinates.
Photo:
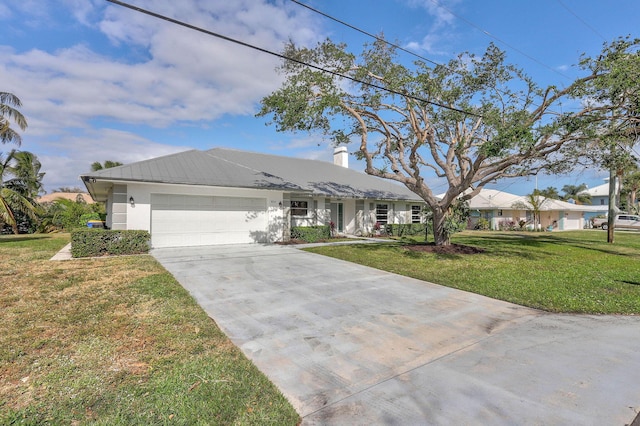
(576, 193)
(107, 165)
(17, 187)
(550, 192)
(8, 112)
(533, 203)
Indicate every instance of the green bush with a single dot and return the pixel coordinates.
(311, 234)
(483, 224)
(100, 242)
(405, 229)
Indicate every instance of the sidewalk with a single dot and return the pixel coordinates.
(63, 254)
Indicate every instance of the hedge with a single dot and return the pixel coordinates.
(400, 230)
(311, 234)
(101, 242)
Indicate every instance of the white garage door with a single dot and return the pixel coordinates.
(188, 220)
(573, 220)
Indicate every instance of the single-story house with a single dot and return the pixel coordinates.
(504, 210)
(226, 196)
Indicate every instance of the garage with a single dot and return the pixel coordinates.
(572, 220)
(190, 220)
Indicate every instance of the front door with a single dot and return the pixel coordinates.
(337, 216)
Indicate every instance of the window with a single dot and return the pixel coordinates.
(382, 211)
(602, 201)
(416, 214)
(299, 208)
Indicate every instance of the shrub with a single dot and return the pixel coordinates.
(400, 230)
(311, 234)
(100, 242)
(483, 224)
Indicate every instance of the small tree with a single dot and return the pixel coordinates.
(534, 203)
(95, 166)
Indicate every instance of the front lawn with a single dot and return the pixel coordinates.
(116, 341)
(573, 271)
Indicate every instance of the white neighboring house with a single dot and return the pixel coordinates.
(503, 209)
(226, 196)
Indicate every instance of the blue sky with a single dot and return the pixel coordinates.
(101, 82)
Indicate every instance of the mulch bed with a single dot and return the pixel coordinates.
(450, 249)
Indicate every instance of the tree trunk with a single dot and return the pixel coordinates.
(612, 205)
(440, 235)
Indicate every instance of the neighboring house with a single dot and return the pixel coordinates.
(226, 196)
(599, 194)
(72, 196)
(600, 197)
(504, 210)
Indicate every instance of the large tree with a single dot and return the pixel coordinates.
(614, 119)
(9, 113)
(468, 123)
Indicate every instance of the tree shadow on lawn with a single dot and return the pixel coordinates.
(12, 238)
(492, 245)
(590, 245)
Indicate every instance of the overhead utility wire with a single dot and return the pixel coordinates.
(269, 52)
(437, 3)
(385, 41)
(367, 33)
(596, 32)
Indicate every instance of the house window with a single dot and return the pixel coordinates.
(299, 208)
(382, 211)
(416, 214)
(602, 201)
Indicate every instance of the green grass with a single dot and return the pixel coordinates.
(116, 341)
(573, 272)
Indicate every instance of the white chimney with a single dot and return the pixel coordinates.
(341, 157)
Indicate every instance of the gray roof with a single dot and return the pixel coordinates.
(224, 167)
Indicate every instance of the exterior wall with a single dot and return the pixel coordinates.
(138, 215)
(600, 201)
(119, 208)
(501, 218)
(359, 216)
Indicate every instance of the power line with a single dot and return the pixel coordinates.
(346, 24)
(269, 52)
(596, 32)
(387, 42)
(487, 33)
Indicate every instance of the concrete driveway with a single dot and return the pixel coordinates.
(348, 345)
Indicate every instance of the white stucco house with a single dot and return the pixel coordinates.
(226, 196)
(502, 209)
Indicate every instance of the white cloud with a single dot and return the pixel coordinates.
(440, 29)
(95, 145)
(5, 12)
(141, 71)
